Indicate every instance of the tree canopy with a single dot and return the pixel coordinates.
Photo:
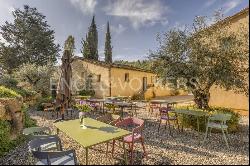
(202, 57)
(37, 76)
(29, 39)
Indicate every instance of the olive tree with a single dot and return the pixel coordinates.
(38, 77)
(202, 57)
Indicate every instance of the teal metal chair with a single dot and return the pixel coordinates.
(218, 121)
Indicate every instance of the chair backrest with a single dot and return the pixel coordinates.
(153, 105)
(105, 118)
(62, 158)
(39, 142)
(37, 131)
(220, 117)
(165, 110)
(132, 121)
(109, 118)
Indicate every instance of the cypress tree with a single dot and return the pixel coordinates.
(90, 44)
(108, 47)
(70, 44)
(85, 48)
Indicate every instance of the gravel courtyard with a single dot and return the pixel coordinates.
(162, 149)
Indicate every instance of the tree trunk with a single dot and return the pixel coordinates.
(201, 98)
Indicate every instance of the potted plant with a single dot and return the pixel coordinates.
(83, 107)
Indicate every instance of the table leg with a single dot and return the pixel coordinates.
(103, 108)
(125, 153)
(57, 131)
(122, 111)
(86, 157)
(198, 125)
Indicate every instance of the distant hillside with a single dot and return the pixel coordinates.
(143, 64)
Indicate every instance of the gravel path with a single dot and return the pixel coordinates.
(183, 148)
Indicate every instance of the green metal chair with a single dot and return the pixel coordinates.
(111, 108)
(218, 121)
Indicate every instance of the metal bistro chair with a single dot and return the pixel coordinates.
(48, 107)
(41, 149)
(111, 119)
(33, 132)
(154, 107)
(134, 108)
(165, 115)
(218, 121)
(111, 108)
(136, 136)
(45, 143)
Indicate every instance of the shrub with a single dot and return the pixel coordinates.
(8, 81)
(4, 137)
(28, 122)
(39, 106)
(87, 92)
(6, 143)
(191, 121)
(8, 93)
(233, 123)
(174, 92)
(24, 92)
(137, 96)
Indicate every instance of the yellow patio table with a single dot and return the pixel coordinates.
(197, 113)
(95, 133)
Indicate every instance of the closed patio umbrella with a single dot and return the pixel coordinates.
(64, 84)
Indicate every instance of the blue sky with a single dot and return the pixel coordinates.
(134, 23)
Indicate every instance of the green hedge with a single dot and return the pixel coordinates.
(8, 93)
(191, 121)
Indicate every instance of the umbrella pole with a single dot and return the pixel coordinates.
(62, 111)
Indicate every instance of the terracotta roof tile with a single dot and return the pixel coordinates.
(112, 65)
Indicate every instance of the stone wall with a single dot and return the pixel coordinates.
(10, 110)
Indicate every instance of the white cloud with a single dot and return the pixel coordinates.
(117, 29)
(86, 6)
(228, 6)
(209, 3)
(139, 12)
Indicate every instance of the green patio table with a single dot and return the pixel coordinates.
(96, 133)
(196, 113)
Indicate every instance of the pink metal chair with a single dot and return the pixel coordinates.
(164, 115)
(153, 107)
(136, 135)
